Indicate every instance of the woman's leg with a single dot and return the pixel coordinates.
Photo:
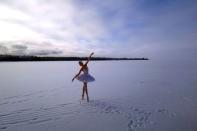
(86, 90)
(83, 91)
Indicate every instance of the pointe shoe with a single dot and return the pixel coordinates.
(88, 99)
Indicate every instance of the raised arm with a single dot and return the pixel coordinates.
(89, 58)
(77, 74)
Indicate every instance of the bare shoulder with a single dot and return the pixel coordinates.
(82, 68)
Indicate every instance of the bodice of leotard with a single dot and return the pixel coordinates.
(85, 70)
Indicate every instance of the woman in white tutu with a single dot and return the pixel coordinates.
(85, 77)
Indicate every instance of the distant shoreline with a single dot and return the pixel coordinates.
(12, 58)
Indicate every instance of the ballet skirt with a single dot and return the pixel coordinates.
(85, 77)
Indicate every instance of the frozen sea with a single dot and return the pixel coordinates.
(126, 96)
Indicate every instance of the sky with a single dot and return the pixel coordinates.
(113, 28)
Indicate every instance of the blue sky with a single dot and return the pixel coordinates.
(119, 28)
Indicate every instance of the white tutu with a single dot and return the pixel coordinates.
(85, 77)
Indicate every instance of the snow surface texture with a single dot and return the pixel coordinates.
(126, 96)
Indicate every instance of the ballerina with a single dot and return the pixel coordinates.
(85, 77)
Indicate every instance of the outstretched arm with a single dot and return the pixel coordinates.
(77, 74)
(89, 58)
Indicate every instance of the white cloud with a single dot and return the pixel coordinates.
(55, 21)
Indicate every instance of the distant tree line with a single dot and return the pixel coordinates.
(49, 58)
